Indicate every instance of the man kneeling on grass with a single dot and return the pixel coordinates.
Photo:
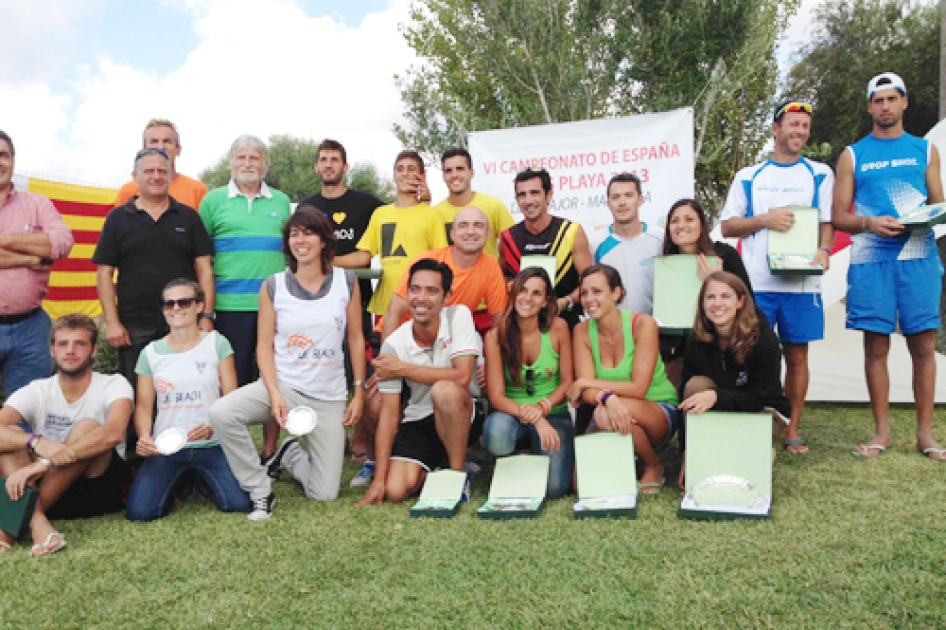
(435, 354)
(77, 417)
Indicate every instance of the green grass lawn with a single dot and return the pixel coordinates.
(851, 543)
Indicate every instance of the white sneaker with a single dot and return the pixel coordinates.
(262, 508)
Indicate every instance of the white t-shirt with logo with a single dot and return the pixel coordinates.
(756, 190)
(45, 409)
(634, 260)
(186, 383)
(457, 337)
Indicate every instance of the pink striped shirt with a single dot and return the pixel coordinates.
(23, 289)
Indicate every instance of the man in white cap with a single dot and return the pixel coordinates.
(895, 274)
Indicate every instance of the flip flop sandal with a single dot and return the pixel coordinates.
(657, 486)
(880, 448)
(939, 452)
(47, 545)
(795, 442)
(5, 546)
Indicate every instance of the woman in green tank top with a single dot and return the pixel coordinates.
(528, 370)
(618, 369)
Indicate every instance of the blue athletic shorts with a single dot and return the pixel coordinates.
(879, 292)
(796, 317)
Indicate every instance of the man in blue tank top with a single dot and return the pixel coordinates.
(895, 275)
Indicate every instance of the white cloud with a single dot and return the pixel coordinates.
(261, 67)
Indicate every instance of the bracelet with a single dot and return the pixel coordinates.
(359, 384)
(544, 404)
(864, 227)
(31, 442)
(826, 250)
(604, 399)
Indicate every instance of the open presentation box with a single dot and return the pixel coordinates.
(677, 291)
(791, 253)
(440, 496)
(728, 466)
(548, 263)
(518, 488)
(607, 478)
(924, 217)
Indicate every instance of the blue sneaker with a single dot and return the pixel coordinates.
(364, 476)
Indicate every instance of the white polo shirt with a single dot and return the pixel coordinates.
(456, 338)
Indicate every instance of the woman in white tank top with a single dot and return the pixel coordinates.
(185, 373)
(306, 315)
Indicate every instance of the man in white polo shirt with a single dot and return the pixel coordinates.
(435, 354)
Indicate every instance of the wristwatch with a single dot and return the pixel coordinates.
(211, 316)
(45, 462)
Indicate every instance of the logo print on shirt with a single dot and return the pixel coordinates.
(201, 366)
(387, 242)
(742, 379)
(162, 386)
(339, 217)
(305, 349)
(300, 341)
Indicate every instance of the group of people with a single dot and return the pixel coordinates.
(232, 309)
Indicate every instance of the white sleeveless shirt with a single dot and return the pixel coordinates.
(186, 384)
(309, 336)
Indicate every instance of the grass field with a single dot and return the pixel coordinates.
(851, 543)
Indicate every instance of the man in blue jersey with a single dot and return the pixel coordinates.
(757, 203)
(895, 275)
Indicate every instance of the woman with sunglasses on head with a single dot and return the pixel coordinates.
(185, 371)
(687, 232)
(528, 371)
(618, 369)
(306, 315)
(733, 359)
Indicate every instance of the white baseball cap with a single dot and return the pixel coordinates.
(886, 81)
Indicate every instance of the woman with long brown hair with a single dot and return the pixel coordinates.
(528, 372)
(733, 359)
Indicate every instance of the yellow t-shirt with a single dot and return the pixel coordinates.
(496, 212)
(397, 235)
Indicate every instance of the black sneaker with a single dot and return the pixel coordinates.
(274, 463)
(262, 508)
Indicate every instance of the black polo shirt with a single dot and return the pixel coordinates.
(148, 254)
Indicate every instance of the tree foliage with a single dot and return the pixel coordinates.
(496, 64)
(854, 40)
(292, 171)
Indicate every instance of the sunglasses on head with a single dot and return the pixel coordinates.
(533, 169)
(796, 106)
(530, 381)
(152, 151)
(182, 303)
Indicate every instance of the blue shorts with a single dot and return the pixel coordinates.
(796, 317)
(879, 292)
(672, 412)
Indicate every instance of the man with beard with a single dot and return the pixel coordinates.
(895, 275)
(75, 420)
(245, 220)
(349, 211)
(757, 203)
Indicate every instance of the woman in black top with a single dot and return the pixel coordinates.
(733, 359)
(687, 232)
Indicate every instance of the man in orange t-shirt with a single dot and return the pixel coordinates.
(162, 134)
(477, 279)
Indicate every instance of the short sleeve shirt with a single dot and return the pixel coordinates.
(396, 235)
(634, 260)
(456, 338)
(45, 409)
(148, 254)
(760, 188)
(494, 209)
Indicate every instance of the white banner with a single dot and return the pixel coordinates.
(583, 156)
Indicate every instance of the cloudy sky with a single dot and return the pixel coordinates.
(81, 77)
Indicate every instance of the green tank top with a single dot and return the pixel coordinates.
(660, 390)
(546, 378)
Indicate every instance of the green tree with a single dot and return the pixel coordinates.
(292, 171)
(495, 64)
(854, 40)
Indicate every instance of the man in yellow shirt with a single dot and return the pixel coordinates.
(458, 175)
(399, 231)
(162, 134)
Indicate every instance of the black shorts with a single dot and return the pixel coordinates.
(418, 442)
(98, 496)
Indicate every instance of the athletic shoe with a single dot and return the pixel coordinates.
(467, 490)
(274, 464)
(262, 508)
(364, 476)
